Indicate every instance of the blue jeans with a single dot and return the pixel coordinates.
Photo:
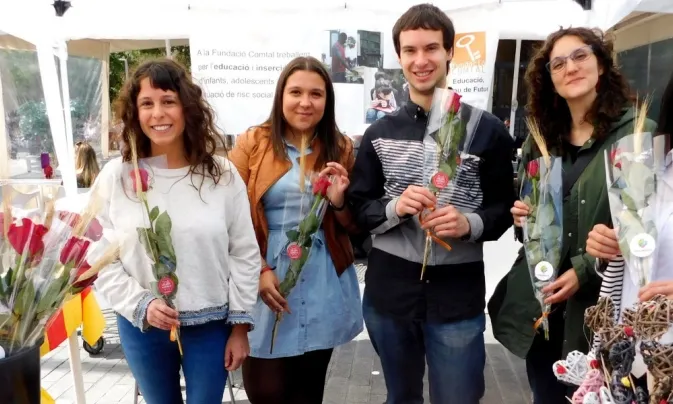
(155, 362)
(374, 115)
(455, 354)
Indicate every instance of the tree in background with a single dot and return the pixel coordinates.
(136, 57)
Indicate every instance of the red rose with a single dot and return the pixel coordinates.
(533, 168)
(27, 238)
(94, 231)
(594, 364)
(79, 285)
(74, 251)
(614, 153)
(628, 331)
(48, 172)
(320, 186)
(453, 103)
(144, 180)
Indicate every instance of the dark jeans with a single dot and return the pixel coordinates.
(292, 380)
(455, 354)
(540, 361)
(155, 362)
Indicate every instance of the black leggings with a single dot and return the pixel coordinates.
(293, 380)
(540, 361)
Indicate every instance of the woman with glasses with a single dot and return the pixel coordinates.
(582, 105)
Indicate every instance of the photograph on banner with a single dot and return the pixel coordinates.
(356, 57)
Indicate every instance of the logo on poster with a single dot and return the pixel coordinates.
(470, 48)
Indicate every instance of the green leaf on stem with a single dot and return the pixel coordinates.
(163, 228)
(630, 201)
(159, 270)
(154, 213)
(442, 135)
(446, 168)
(309, 225)
(292, 235)
(50, 296)
(533, 253)
(308, 242)
(4, 285)
(545, 215)
(25, 298)
(147, 239)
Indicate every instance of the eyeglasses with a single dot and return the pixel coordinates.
(579, 55)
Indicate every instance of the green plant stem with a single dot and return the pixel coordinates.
(143, 198)
(534, 181)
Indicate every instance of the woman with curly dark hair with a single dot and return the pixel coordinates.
(165, 115)
(581, 103)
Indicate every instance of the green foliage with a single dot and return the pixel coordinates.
(135, 58)
(23, 97)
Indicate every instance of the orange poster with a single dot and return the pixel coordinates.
(470, 48)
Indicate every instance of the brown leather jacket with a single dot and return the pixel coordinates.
(253, 157)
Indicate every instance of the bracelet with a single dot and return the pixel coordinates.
(266, 268)
(334, 208)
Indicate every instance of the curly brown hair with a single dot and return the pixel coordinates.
(200, 135)
(551, 111)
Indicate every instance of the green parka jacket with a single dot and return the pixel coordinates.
(513, 308)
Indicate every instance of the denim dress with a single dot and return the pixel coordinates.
(326, 308)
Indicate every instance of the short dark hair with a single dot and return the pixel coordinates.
(343, 36)
(425, 16)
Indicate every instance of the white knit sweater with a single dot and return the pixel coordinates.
(218, 258)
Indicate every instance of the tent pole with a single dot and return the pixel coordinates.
(515, 87)
(168, 48)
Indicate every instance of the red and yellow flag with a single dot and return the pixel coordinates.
(81, 309)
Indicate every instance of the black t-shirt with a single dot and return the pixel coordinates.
(571, 151)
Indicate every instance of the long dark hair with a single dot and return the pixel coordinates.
(200, 136)
(331, 139)
(551, 111)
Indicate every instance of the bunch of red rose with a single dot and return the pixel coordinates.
(41, 263)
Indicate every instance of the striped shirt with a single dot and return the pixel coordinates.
(394, 154)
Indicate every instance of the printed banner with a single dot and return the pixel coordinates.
(239, 78)
(471, 72)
